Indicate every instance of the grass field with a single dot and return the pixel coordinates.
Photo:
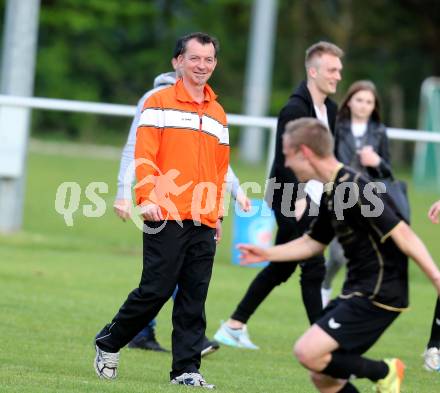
(60, 284)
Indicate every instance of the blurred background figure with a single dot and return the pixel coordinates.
(310, 99)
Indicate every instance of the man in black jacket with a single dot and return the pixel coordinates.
(288, 201)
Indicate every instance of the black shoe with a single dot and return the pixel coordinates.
(209, 346)
(148, 343)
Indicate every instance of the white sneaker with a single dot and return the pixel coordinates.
(326, 295)
(192, 379)
(106, 363)
(238, 338)
(432, 359)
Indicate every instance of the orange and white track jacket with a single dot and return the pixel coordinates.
(182, 155)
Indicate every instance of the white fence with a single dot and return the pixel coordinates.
(129, 110)
(233, 119)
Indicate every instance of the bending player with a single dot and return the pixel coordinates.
(376, 242)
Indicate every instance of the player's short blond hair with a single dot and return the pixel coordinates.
(317, 50)
(310, 132)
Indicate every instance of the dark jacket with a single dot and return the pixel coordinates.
(300, 104)
(375, 136)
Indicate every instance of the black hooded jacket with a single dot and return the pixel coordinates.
(300, 104)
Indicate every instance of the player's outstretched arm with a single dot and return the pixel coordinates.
(411, 245)
(299, 249)
(434, 212)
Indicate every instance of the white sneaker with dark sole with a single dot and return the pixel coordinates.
(432, 359)
(192, 379)
(106, 364)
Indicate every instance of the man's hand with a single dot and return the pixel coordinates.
(151, 212)
(244, 202)
(252, 254)
(122, 208)
(434, 212)
(218, 231)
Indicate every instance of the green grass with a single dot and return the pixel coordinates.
(59, 285)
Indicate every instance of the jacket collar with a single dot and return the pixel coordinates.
(344, 128)
(302, 92)
(183, 95)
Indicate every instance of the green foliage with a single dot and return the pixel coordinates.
(110, 51)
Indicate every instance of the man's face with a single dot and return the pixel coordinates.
(198, 62)
(297, 162)
(326, 73)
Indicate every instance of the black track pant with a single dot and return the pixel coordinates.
(175, 255)
(434, 339)
(312, 274)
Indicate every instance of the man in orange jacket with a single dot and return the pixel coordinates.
(182, 155)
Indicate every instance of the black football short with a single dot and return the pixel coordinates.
(355, 323)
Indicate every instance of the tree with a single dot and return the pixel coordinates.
(110, 51)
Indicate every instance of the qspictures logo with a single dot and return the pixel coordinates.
(165, 188)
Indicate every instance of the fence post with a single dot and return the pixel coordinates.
(17, 78)
(426, 171)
